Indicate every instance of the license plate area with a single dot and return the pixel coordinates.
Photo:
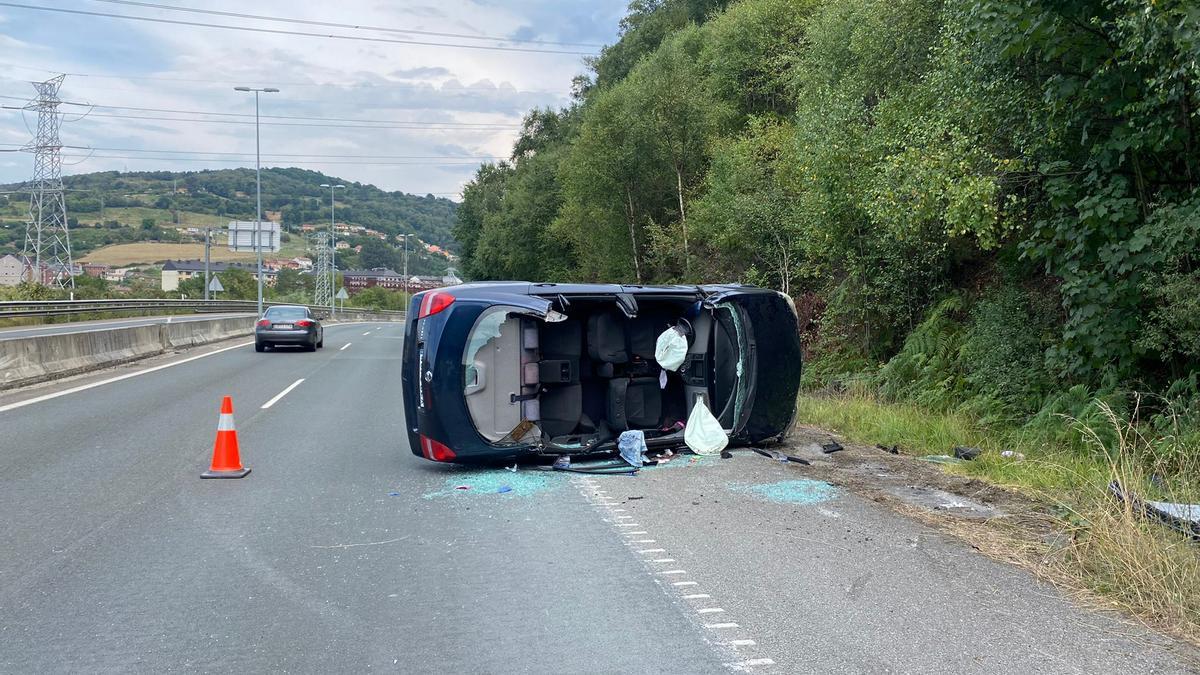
(282, 326)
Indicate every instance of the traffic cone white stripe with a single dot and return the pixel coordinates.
(225, 423)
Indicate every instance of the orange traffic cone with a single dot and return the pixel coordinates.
(225, 461)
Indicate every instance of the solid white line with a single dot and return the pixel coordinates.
(281, 394)
(742, 643)
(709, 610)
(126, 376)
(638, 532)
(628, 525)
(643, 541)
(654, 550)
(345, 346)
(696, 596)
(663, 560)
(721, 625)
(673, 572)
(686, 583)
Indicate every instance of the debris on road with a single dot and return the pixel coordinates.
(504, 488)
(894, 450)
(831, 447)
(941, 459)
(1009, 454)
(799, 491)
(462, 487)
(1183, 518)
(632, 447)
(781, 457)
(966, 452)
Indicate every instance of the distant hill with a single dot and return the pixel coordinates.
(229, 194)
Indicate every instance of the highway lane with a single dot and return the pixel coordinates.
(118, 557)
(344, 552)
(108, 324)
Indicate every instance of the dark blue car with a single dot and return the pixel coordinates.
(504, 370)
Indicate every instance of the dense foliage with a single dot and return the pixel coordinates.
(989, 203)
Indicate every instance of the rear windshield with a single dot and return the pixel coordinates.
(286, 313)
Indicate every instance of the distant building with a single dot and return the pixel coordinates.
(341, 245)
(176, 271)
(358, 280)
(95, 270)
(13, 270)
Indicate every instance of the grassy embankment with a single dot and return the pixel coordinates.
(1111, 553)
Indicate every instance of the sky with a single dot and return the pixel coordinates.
(466, 104)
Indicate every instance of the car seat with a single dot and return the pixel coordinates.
(634, 403)
(558, 373)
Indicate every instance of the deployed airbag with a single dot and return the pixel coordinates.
(704, 434)
(671, 349)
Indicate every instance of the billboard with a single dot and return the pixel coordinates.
(242, 236)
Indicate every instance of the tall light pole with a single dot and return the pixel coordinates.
(406, 236)
(258, 187)
(332, 245)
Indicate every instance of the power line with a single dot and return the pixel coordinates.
(276, 31)
(355, 85)
(247, 155)
(435, 126)
(277, 117)
(241, 161)
(330, 24)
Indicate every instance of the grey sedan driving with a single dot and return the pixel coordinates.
(288, 325)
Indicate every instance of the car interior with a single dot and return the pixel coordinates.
(584, 379)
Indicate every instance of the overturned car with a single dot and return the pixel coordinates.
(503, 370)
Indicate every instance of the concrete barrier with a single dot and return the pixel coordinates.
(45, 357)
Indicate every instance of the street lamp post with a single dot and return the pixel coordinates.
(258, 187)
(406, 236)
(332, 245)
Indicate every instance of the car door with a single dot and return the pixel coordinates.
(773, 361)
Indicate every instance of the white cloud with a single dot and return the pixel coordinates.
(318, 78)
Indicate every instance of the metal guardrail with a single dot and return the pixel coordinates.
(50, 308)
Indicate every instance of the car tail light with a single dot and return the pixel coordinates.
(264, 322)
(304, 323)
(438, 452)
(433, 303)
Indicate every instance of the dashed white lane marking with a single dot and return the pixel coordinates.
(281, 394)
(345, 346)
(609, 506)
(741, 665)
(366, 333)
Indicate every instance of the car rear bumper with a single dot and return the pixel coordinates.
(285, 336)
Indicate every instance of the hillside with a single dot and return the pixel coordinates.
(113, 208)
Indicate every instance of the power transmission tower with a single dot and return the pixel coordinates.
(47, 243)
(323, 270)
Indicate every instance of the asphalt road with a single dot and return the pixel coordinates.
(107, 324)
(344, 552)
